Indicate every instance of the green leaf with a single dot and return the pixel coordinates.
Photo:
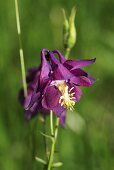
(41, 160)
(47, 136)
(57, 164)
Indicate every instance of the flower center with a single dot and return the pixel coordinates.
(67, 97)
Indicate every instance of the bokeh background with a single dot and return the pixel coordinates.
(90, 143)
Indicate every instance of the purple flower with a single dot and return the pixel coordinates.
(54, 85)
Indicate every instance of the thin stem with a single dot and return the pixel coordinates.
(21, 49)
(53, 145)
(67, 52)
(51, 123)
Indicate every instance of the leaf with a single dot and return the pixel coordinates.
(57, 164)
(47, 136)
(41, 160)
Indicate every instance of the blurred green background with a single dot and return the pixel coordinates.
(90, 146)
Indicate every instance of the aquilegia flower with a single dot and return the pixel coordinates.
(54, 85)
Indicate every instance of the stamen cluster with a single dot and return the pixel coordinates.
(67, 98)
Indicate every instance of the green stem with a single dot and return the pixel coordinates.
(50, 162)
(21, 49)
(51, 122)
(67, 52)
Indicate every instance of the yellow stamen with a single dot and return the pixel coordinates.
(67, 98)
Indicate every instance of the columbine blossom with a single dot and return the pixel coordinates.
(54, 85)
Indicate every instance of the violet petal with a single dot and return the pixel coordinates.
(31, 112)
(76, 90)
(78, 63)
(61, 57)
(45, 68)
(78, 72)
(51, 98)
(61, 73)
(63, 118)
(81, 81)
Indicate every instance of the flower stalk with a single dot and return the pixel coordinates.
(51, 123)
(67, 52)
(54, 138)
(21, 49)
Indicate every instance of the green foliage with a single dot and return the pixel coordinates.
(41, 22)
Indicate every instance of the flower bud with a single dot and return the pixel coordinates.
(65, 29)
(72, 29)
(69, 30)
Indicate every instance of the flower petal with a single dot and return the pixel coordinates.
(63, 118)
(78, 93)
(58, 110)
(51, 98)
(33, 111)
(45, 68)
(61, 57)
(53, 60)
(78, 72)
(50, 101)
(61, 73)
(32, 74)
(32, 96)
(91, 79)
(81, 81)
(76, 90)
(78, 63)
